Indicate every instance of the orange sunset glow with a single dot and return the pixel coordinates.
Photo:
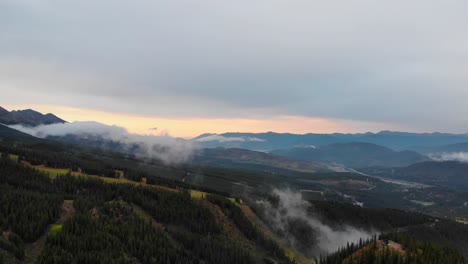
(192, 127)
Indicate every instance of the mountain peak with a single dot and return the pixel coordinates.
(3, 111)
(28, 117)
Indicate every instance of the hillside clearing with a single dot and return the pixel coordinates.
(55, 172)
(13, 157)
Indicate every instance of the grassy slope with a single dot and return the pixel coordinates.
(55, 172)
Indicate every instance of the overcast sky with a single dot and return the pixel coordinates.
(363, 65)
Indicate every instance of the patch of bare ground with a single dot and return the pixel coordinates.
(5, 234)
(380, 247)
(157, 224)
(396, 247)
(68, 208)
(94, 213)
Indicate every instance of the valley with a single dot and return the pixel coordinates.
(242, 194)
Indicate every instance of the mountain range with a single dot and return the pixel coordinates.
(272, 141)
(307, 153)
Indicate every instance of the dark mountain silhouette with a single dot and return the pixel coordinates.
(28, 117)
(3, 111)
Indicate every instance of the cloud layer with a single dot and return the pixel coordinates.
(359, 59)
(162, 147)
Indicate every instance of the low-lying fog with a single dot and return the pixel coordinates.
(292, 218)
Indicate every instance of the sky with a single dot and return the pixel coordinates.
(193, 66)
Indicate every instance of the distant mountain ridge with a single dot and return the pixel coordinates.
(354, 154)
(28, 117)
(271, 141)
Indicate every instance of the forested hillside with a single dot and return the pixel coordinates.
(89, 213)
(106, 228)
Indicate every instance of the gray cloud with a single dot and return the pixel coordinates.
(397, 62)
(163, 147)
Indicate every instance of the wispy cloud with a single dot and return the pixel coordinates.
(220, 138)
(292, 209)
(450, 156)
